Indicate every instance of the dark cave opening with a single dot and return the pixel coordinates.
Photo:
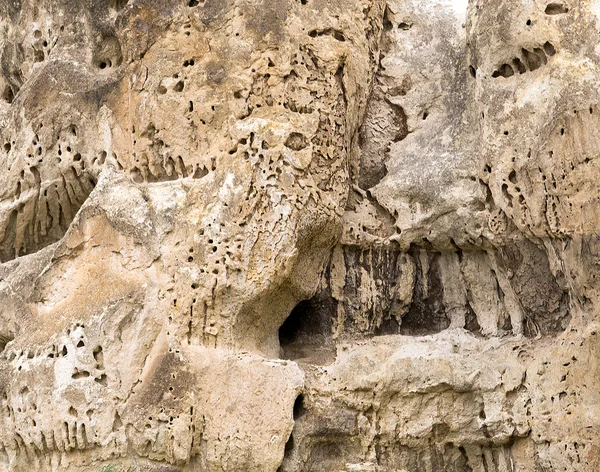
(306, 333)
(294, 326)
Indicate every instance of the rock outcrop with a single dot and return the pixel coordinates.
(299, 235)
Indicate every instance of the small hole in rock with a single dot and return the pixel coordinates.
(99, 356)
(549, 49)
(299, 407)
(519, 65)
(8, 94)
(5, 338)
(80, 375)
(505, 70)
(296, 141)
(556, 9)
(387, 24)
(533, 60)
(102, 380)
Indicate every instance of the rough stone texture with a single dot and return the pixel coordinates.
(299, 235)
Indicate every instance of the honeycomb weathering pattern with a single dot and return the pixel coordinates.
(299, 235)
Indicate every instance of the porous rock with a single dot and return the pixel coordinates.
(299, 235)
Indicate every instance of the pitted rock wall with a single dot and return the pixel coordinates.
(300, 235)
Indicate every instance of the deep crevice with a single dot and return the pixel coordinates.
(299, 407)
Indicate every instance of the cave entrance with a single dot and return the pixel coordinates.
(307, 332)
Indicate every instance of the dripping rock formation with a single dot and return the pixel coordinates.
(299, 235)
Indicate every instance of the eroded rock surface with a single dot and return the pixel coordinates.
(299, 235)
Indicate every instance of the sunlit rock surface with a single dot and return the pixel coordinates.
(299, 235)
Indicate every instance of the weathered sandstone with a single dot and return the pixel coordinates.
(299, 235)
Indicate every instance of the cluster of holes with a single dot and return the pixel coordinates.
(154, 163)
(388, 25)
(108, 54)
(41, 46)
(94, 364)
(260, 93)
(561, 402)
(529, 61)
(45, 205)
(336, 34)
(22, 403)
(221, 253)
(156, 445)
(34, 49)
(498, 222)
(98, 373)
(559, 201)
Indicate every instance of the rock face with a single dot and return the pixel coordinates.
(299, 235)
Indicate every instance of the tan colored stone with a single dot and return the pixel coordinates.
(299, 235)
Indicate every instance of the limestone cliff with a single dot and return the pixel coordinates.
(299, 235)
